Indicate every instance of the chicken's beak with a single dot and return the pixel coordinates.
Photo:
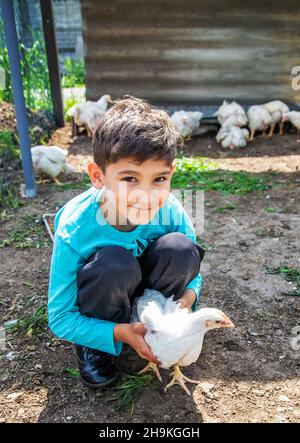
(227, 323)
(110, 101)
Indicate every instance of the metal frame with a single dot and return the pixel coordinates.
(17, 86)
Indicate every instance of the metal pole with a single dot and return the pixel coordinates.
(53, 63)
(18, 94)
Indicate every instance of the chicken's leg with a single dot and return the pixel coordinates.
(88, 130)
(180, 379)
(151, 367)
(55, 179)
(281, 126)
(271, 130)
(42, 181)
(252, 135)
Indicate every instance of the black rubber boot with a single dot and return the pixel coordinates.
(97, 369)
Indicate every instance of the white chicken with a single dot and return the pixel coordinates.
(174, 335)
(87, 113)
(277, 109)
(50, 161)
(259, 119)
(293, 117)
(231, 114)
(232, 137)
(188, 123)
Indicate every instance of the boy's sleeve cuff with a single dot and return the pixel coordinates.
(116, 345)
(110, 345)
(195, 285)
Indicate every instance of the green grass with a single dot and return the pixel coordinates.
(69, 102)
(202, 243)
(284, 210)
(30, 324)
(9, 198)
(9, 155)
(127, 392)
(71, 372)
(73, 73)
(8, 147)
(201, 173)
(34, 69)
(84, 183)
(291, 275)
(227, 207)
(29, 232)
(272, 210)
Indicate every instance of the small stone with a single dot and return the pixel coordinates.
(11, 356)
(283, 398)
(246, 276)
(14, 395)
(259, 392)
(207, 387)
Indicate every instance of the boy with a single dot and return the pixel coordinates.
(125, 234)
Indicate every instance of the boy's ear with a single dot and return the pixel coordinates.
(172, 168)
(95, 175)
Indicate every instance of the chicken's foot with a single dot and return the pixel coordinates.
(180, 379)
(151, 367)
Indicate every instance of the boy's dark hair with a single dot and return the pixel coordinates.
(133, 128)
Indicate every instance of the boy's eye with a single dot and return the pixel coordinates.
(160, 179)
(129, 179)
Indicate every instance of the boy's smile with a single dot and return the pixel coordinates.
(133, 193)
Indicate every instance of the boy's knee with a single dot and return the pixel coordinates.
(111, 262)
(181, 249)
(107, 283)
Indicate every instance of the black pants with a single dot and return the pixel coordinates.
(113, 277)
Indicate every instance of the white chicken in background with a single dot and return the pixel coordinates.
(50, 161)
(232, 137)
(231, 114)
(293, 117)
(187, 123)
(259, 119)
(87, 113)
(174, 335)
(277, 109)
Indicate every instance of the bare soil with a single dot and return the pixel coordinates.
(248, 374)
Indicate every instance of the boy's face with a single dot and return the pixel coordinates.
(133, 192)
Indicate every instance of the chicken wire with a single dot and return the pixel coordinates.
(68, 25)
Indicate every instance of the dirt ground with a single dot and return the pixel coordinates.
(248, 374)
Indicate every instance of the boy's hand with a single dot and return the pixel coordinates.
(187, 300)
(133, 335)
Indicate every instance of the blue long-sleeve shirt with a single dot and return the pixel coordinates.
(81, 229)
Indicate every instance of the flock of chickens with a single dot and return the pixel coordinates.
(231, 116)
(233, 119)
(50, 161)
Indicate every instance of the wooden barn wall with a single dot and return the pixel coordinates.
(176, 52)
